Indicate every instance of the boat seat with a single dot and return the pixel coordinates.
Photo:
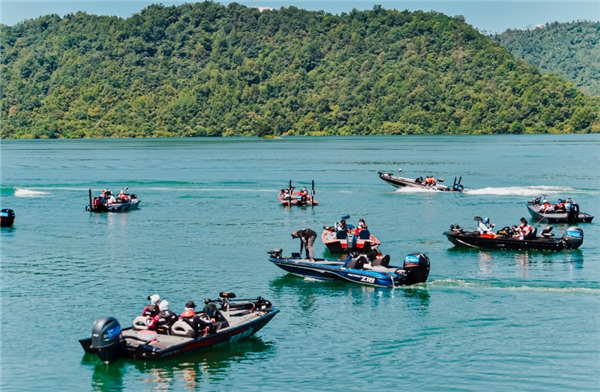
(181, 328)
(357, 262)
(139, 323)
(364, 234)
(341, 235)
(382, 261)
(531, 235)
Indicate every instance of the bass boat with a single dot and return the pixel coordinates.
(234, 320)
(289, 197)
(402, 182)
(348, 239)
(506, 238)
(7, 217)
(107, 202)
(357, 268)
(565, 213)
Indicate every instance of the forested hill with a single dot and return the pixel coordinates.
(204, 69)
(571, 50)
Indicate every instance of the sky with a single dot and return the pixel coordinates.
(491, 16)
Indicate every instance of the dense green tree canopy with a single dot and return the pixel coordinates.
(570, 50)
(204, 69)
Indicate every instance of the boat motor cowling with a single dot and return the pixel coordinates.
(417, 267)
(574, 237)
(107, 338)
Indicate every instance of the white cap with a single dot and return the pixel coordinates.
(163, 305)
(154, 298)
(545, 201)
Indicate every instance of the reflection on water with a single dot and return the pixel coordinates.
(485, 263)
(186, 372)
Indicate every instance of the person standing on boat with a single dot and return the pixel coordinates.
(307, 239)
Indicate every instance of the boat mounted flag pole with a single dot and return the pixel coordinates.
(91, 205)
(312, 200)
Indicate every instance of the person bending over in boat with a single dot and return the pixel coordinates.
(165, 317)
(307, 239)
(485, 227)
(151, 310)
(524, 229)
(546, 207)
(202, 326)
(560, 206)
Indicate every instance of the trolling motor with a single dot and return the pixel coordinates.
(456, 186)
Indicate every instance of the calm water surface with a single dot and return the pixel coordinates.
(484, 320)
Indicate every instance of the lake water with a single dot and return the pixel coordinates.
(484, 320)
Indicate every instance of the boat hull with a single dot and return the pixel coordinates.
(401, 182)
(473, 240)
(119, 207)
(558, 217)
(296, 200)
(231, 335)
(333, 270)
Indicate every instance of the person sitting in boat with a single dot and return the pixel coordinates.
(110, 199)
(341, 225)
(303, 195)
(569, 204)
(307, 239)
(165, 317)
(484, 226)
(419, 180)
(122, 196)
(524, 229)
(361, 226)
(560, 206)
(546, 207)
(201, 325)
(151, 310)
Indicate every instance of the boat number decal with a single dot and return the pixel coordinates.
(367, 279)
(242, 335)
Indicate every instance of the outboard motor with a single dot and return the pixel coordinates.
(8, 217)
(573, 237)
(351, 241)
(416, 266)
(107, 339)
(573, 213)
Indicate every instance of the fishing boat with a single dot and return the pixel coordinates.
(402, 182)
(506, 238)
(234, 320)
(107, 202)
(570, 213)
(7, 217)
(357, 268)
(348, 239)
(289, 197)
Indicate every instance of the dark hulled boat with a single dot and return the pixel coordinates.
(356, 269)
(107, 202)
(572, 215)
(7, 217)
(505, 239)
(402, 182)
(234, 320)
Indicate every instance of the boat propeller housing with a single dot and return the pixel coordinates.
(107, 339)
(417, 267)
(574, 237)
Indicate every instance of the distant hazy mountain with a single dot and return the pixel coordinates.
(570, 50)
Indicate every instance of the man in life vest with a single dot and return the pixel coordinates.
(164, 319)
(201, 325)
(307, 239)
(546, 207)
(341, 225)
(569, 204)
(524, 229)
(123, 196)
(151, 310)
(560, 206)
(303, 195)
(361, 226)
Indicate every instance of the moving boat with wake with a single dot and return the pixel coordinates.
(565, 211)
(507, 238)
(402, 182)
(234, 320)
(371, 270)
(107, 202)
(289, 197)
(344, 238)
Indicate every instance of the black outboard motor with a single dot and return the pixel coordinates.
(7, 217)
(416, 266)
(107, 339)
(573, 237)
(573, 213)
